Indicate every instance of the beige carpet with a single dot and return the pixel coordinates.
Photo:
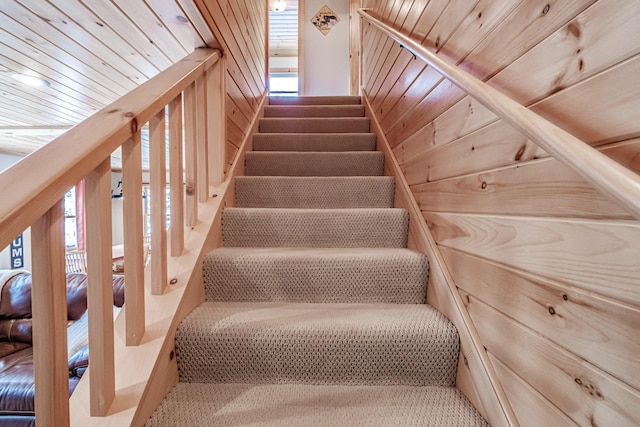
(314, 124)
(314, 192)
(319, 228)
(305, 142)
(205, 405)
(315, 311)
(314, 111)
(316, 275)
(286, 163)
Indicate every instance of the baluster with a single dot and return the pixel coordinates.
(175, 176)
(191, 164)
(158, 181)
(133, 239)
(216, 119)
(49, 313)
(100, 288)
(201, 140)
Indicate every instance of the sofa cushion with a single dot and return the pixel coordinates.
(15, 330)
(79, 362)
(17, 385)
(7, 348)
(15, 297)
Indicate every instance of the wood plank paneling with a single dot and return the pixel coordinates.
(491, 147)
(586, 394)
(530, 23)
(545, 187)
(240, 28)
(577, 51)
(527, 403)
(592, 327)
(613, 102)
(517, 229)
(478, 23)
(596, 256)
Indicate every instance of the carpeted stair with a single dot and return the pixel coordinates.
(315, 310)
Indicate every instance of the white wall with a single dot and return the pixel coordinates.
(326, 58)
(7, 160)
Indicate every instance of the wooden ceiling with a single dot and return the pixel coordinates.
(91, 52)
(283, 31)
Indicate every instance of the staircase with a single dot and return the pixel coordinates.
(315, 310)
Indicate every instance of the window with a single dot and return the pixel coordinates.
(146, 209)
(283, 84)
(70, 220)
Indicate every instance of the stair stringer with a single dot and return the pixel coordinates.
(476, 377)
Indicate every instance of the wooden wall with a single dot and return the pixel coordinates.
(240, 28)
(548, 268)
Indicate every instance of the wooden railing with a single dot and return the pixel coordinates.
(32, 193)
(603, 173)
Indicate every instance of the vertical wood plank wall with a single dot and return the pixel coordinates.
(240, 27)
(549, 268)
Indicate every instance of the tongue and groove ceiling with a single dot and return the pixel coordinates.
(91, 52)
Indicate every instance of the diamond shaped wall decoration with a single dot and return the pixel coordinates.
(325, 19)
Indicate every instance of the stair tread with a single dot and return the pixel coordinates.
(334, 275)
(315, 192)
(294, 163)
(314, 142)
(298, 405)
(263, 227)
(275, 342)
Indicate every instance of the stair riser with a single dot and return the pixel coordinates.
(314, 111)
(315, 125)
(307, 344)
(314, 100)
(276, 163)
(314, 192)
(314, 142)
(316, 276)
(321, 228)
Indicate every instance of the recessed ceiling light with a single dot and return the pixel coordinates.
(31, 80)
(279, 6)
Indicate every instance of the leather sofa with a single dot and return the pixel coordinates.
(16, 355)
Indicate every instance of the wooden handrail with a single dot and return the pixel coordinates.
(603, 173)
(32, 193)
(34, 184)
